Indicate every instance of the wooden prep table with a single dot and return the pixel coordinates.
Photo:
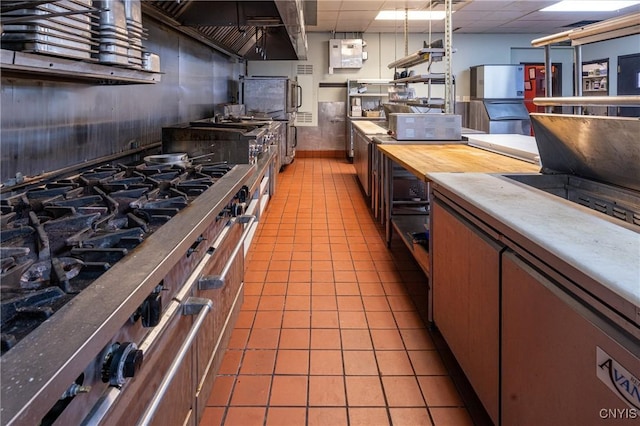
(420, 159)
(423, 159)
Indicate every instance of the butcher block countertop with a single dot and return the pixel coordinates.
(370, 127)
(423, 159)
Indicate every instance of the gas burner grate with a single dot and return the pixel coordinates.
(59, 237)
(18, 317)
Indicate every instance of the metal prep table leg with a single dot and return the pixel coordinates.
(388, 164)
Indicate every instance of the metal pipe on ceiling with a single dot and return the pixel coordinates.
(622, 26)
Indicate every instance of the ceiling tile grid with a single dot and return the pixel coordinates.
(470, 16)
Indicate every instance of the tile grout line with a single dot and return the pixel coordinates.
(364, 231)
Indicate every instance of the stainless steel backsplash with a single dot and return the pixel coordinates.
(329, 134)
(48, 125)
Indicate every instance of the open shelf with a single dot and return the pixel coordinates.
(437, 78)
(422, 102)
(371, 81)
(369, 95)
(423, 55)
(405, 225)
(52, 67)
(374, 93)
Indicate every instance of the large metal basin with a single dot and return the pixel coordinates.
(614, 201)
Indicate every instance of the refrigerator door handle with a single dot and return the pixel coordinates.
(299, 96)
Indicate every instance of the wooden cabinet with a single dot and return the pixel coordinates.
(536, 347)
(560, 361)
(466, 293)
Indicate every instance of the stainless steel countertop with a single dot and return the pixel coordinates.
(514, 145)
(376, 131)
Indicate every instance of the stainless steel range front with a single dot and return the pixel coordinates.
(118, 285)
(277, 98)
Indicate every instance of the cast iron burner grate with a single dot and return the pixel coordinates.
(57, 238)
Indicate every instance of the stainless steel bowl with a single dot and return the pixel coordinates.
(174, 159)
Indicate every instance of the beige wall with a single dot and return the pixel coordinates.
(470, 50)
(382, 49)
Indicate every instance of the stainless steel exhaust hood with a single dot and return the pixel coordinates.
(254, 30)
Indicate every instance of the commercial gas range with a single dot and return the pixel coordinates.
(108, 283)
(238, 140)
(279, 99)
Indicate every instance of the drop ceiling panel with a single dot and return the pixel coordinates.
(503, 16)
(503, 30)
(324, 25)
(400, 32)
(327, 16)
(493, 5)
(351, 26)
(479, 27)
(328, 5)
(438, 28)
(358, 16)
(469, 16)
(560, 17)
(361, 5)
(388, 25)
(408, 4)
(534, 24)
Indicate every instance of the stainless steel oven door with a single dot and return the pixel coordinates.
(222, 282)
(163, 389)
(287, 155)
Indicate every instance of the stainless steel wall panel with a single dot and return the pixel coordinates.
(329, 135)
(49, 125)
(195, 74)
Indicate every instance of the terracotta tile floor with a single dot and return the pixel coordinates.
(329, 333)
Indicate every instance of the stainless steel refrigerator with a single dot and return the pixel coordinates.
(497, 99)
(278, 98)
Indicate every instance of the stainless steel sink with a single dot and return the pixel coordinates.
(617, 202)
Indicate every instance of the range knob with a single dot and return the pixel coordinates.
(238, 209)
(122, 362)
(151, 309)
(243, 194)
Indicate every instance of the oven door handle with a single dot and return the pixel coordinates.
(192, 306)
(212, 282)
(299, 88)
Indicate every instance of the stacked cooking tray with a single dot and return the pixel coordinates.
(113, 35)
(136, 31)
(106, 31)
(121, 33)
(61, 28)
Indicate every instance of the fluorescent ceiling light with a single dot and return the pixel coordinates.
(414, 15)
(589, 6)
